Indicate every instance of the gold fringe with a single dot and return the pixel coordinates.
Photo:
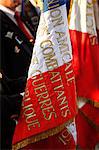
(70, 10)
(94, 1)
(95, 104)
(36, 138)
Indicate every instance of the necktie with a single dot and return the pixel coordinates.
(23, 27)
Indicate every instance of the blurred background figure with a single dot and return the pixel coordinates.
(16, 51)
(30, 16)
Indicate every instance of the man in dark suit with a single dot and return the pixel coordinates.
(16, 51)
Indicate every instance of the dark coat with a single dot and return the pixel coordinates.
(16, 52)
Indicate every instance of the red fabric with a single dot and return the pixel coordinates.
(22, 27)
(95, 60)
(55, 106)
(92, 114)
(86, 65)
(87, 136)
(62, 141)
(74, 40)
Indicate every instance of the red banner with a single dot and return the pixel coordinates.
(61, 141)
(87, 136)
(49, 101)
(86, 66)
(91, 113)
(85, 46)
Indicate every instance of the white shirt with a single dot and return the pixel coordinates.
(9, 13)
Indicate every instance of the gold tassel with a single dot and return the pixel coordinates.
(38, 137)
(70, 10)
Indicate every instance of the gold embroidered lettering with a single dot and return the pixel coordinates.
(53, 4)
(65, 137)
(48, 112)
(57, 19)
(47, 43)
(33, 124)
(43, 98)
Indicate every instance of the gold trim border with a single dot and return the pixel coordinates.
(70, 10)
(42, 136)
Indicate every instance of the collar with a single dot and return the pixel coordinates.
(10, 13)
(6, 10)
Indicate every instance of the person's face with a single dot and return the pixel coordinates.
(14, 3)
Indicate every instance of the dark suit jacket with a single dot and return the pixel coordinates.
(15, 56)
(13, 63)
